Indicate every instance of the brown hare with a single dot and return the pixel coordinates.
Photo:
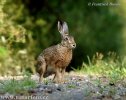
(56, 58)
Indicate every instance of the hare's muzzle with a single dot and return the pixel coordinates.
(73, 46)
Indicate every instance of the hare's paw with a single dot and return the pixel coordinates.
(58, 81)
(40, 79)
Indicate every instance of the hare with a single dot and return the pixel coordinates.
(55, 59)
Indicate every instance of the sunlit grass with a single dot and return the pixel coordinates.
(110, 67)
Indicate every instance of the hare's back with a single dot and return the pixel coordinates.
(50, 51)
(57, 55)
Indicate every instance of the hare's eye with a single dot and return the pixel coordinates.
(66, 38)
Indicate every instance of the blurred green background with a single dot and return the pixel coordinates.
(29, 26)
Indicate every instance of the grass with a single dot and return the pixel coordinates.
(70, 86)
(17, 86)
(111, 67)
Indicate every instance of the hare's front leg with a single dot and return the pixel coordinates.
(58, 77)
(63, 73)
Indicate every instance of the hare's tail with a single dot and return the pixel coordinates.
(39, 62)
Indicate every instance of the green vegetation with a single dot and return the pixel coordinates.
(46, 81)
(70, 86)
(14, 86)
(111, 67)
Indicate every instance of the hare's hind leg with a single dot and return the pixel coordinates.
(42, 69)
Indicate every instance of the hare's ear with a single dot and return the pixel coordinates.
(63, 28)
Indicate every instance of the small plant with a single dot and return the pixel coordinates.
(71, 86)
(112, 91)
(87, 91)
(46, 81)
(97, 82)
(114, 76)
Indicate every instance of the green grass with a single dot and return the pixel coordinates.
(111, 67)
(70, 86)
(17, 86)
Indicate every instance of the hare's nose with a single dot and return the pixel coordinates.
(74, 45)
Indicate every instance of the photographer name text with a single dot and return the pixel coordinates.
(103, 4)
